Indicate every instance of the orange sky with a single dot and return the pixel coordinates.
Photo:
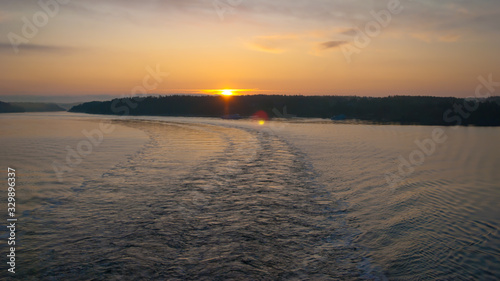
(91, 47)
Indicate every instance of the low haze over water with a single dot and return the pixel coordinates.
(208, 199)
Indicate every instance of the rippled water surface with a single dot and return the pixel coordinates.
(204, 199)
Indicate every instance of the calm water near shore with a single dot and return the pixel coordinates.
(163, 198)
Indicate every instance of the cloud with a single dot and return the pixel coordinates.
(446, 15)
(7, 47)
(319, 49)
(331, 44)
(264, 48)
(272, 44)
(350, 31)
(138, 12)
(301, 41)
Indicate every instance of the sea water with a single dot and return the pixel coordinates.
(170, 198)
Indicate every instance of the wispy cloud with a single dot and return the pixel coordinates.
(445, 15)
(301, 41)
(350, 31)
(331, 44)
(7, 47)
(272, 44)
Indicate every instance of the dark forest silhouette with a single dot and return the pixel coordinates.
(12, 107)
(421, 110)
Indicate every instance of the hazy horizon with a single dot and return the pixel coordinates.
(89, 98)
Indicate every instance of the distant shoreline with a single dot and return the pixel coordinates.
(402, 110)
(20, 107)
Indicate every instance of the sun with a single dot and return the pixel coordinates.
(227, 93)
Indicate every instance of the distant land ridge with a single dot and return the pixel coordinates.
(12, 107)
(418, 110)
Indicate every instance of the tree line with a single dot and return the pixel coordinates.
(422, 110)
